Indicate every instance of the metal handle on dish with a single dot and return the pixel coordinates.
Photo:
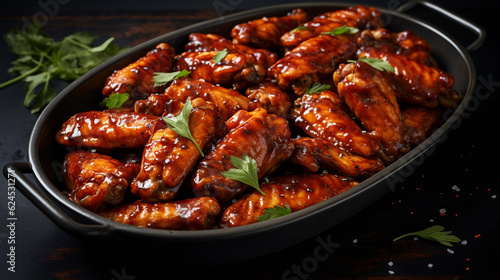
(478, 30)
(49, 208)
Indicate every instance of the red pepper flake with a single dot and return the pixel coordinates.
(477, 236)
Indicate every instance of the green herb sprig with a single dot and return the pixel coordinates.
(245, 171)
(180, 124)
(219, 56)
(299, 28)
(274, 212)
(379, 64)
(341, 30)
(115, 100)
(162, 78)
(435, 233)
(41, 60)
(317, 88)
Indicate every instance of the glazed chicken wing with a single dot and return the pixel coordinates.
(360, 17)
(370, 96)
(312, 61)
(211, 42)
(96, 180)
(266, 32)
(168, 157)
(317, 154)
(237, 70)
(106, 130)
(137, 78)
(269, 96)
(189, 214)
(298, 191)
(417, 83)
(421, 122)
(320, 116)
(153, 105)
(226, 101)
(261, 136)
(404, 43)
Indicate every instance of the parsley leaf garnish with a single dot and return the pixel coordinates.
(434, 233)
(274, 212)
(317, 87)
(245, 171)
(341, 30)
(180, 124)
(376, 63)
(161, 78)
(115, 100)
(41, 60)
(298, 28)
(219, 56)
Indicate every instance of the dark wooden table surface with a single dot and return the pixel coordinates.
(456, 187)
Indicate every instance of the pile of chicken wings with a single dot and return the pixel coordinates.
(309, 145)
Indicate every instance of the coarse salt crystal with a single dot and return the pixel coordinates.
(464, 242)
(430, 265)
(415, 238)
(494, 196)
(390, 263)
(431, 220)
(355, 241)
(450, 251)
(391, 272)
(455, 188)
(442, 210)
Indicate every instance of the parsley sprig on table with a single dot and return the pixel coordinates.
(434, 233)
(41, 59)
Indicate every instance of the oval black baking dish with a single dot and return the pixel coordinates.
(233, 244)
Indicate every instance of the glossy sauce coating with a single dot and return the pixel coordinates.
(190, 214)
(418, 83)
(357, 16)
(261, 136)
(269, 96)
(319, 116)
(404, 43)
(153, 105)
(106, 130)
(317, 154)
(312, 61)
(168, 158)
(266, 32)
(226, 101)
(421, 122)
(97, 180)
(297, 191)
(369, 94)
(237, 70)
(137, 78)
(211, 42)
